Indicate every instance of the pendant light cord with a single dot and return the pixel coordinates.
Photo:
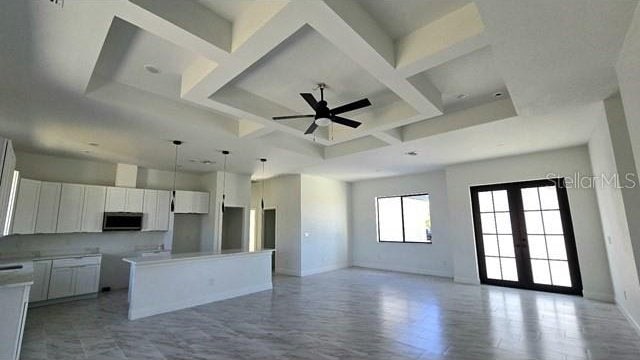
(262, 200)
(224, 178)
(175, 170)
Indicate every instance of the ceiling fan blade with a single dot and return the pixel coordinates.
(351, 106)
(311, 128)
(309, 99)
(292, 117)
(344, 121)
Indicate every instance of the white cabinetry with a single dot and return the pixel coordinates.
(93, 208)
(74, 276)
(13, 312)
(48, 204)
(70, 212)
(191, 202)
(124, 200)
(156, 210)
(24, 218)
(7, 166)
(41, 274)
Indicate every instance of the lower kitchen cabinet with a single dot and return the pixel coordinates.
(41, 275)
(73, 277)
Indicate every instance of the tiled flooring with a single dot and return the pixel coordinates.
(346, 314)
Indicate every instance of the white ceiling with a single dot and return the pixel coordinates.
(400, 20)
(75, 75)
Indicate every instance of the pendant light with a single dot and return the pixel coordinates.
(224, 177)
(263, 161)
(176, 143)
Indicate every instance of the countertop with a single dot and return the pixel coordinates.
(170, 258)
(21, 277)
(26, 257)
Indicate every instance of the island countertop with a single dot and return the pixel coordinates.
(171, 257)
(17, 277)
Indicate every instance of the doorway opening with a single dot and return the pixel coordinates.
(524, 236)
(269, 233)
(232, 226)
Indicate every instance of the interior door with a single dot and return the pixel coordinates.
(269, 233)
(524, 236)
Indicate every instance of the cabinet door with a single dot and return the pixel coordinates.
(62, 282)
(48, 204)
(24, 218)
(116, 199)
(7, 166)
(70, 213)
(201, 202)
(184, 202)
(162, 210)
(41, 274)
(149, 208)
(134, 200)
(93, 208)
(86, 279)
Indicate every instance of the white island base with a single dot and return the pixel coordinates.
(164, 283)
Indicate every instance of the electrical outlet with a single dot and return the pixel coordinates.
(609, 239)
(625, 294)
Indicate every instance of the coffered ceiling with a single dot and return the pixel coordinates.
(132, 75)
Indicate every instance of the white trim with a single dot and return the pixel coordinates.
(324, 269)
(403, 269)
(466, 280)
(598, 296)
(216, 296)
(627, 314)
(284, 271)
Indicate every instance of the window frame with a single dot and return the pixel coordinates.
(404, 241)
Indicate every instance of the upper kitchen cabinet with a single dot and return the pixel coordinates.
(24, 217)
(191, 202)
(124, 199)
(7, 167)
(93, 208)
(48, 205)
(71, 205)
(156, 210)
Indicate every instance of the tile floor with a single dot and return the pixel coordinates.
(346, 314)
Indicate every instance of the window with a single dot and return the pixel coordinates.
(404, 219)
(12, 201)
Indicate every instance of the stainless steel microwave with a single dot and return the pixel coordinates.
(118, 221)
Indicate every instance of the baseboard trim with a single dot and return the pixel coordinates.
(626, 314)
(62, 300)
(324, 269)
(598, 296)
(217, 296)
(466, 280)
(403, 269)
(290, 272)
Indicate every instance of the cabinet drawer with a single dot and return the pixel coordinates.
(79, 261)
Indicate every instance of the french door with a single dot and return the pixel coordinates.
(524, 236)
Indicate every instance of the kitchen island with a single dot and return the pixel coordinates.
(167, 282)
(16, 279)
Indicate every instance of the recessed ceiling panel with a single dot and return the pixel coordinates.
(468, 80)
(299, 64)
(137, 58)
(228, 9)
(400, 18)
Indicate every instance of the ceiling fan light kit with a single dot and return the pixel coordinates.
(325, 116)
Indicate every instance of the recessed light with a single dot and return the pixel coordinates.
(461, 96)
(93, 144)
(411, 153)
(86, 151)
(498, 94)
(152, 69)
(207, 162)
(194, 160)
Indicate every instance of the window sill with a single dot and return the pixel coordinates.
(405, 242)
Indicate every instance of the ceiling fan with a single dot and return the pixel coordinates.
(325, 116)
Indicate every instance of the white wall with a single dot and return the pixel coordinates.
(429, 259)
(163, 180)
(324, 218)
(283, 194)
(615, 223)
(59, 169)
(187, 236)
(594, 266)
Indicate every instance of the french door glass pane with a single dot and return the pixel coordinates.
(545, 234)
(495, 222)
(490, 245)
(540, 270)
(390, 219)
